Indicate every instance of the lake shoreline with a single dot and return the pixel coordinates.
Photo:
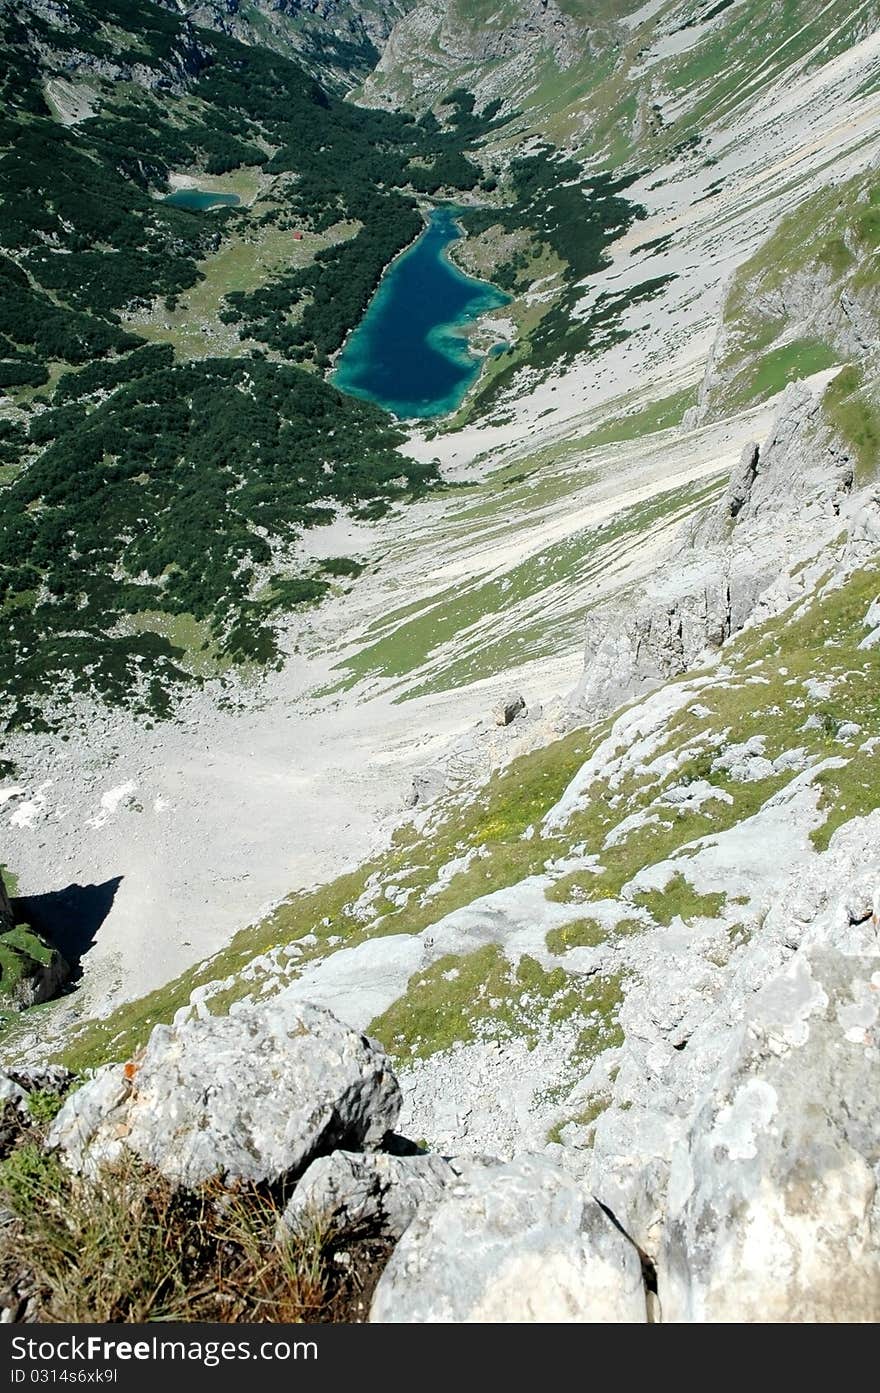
(338, 352)
(413, 351)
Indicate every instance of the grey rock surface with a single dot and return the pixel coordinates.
(508, 708)
(253, 1096)
(683, 1015)
(375, 1192)
(773, 1210)
(783, 501)
(512, 1243)
(427, 785)
(12, 1092)
(16, 1085)
(435, 42)
(741, 479)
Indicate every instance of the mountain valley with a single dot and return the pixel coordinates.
(538, 739)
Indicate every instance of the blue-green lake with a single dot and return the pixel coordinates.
(409, 353)
(200, 200)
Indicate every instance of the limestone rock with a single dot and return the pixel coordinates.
(782, 503)
(690, 608)
(427, 785)
(744, 763)
(514, 1243)
(435, 44)
(91, 1127)
(11, 1091)
(684, 1011)
(773, 1210)
(741, 479)
(508, 708)
(367, 1191)
(253, 1096)
(16, 1085)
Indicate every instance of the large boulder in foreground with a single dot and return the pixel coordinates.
(372, 1192)
(774, 1204)
(518, 1242)
(253, 1096)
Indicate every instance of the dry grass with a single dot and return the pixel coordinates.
(133, 1248)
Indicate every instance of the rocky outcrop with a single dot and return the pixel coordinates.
(805, 285)
(253, 1096)
(784, 500)
(17, 1085)
(183, 59)
(794, 484)
(742, 477)
(336, 39)
(508, 708)
(811, 304)
(360, 1192)
(772, 1209)
(436, 47)
(512, 1243)
(687, 1020)
(733, 1174)
(31, 969)
(427, 785)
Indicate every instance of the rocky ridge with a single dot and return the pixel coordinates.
(784, 503)
(763, 1207)
(697, 1141)
(437, 45)
(339, 41)
(637, 970)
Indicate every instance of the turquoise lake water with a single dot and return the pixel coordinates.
(200, 200)
(408, 354)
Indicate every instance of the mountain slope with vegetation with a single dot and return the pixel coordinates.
(106, 446)
(338, 41)
(668, 96)
(571, 803)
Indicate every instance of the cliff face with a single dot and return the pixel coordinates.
(338, 40)
(501, 55)
(783, 503)
(643, 946)
(618, 80)
(807, 299)
(61, 47)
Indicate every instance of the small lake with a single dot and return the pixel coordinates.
(409, 353)
(200, 200)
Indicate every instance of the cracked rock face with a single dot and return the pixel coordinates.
(730, 559)
(372, 1192)
(253, 1096)
(519, 1242)
(773, 1210)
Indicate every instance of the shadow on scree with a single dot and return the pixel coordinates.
(71, 918)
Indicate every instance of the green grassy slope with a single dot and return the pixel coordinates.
(807, 299)
(496, 838)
